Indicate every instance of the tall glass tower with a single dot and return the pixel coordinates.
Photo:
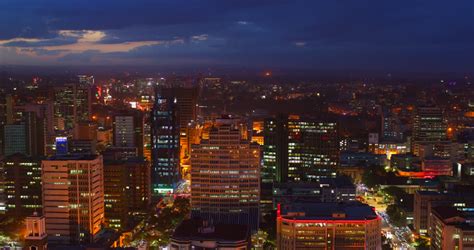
(165, 144)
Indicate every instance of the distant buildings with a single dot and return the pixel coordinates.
(72, 103)
(73, 198)
(225, 178)
(429, 126)
(328, 226)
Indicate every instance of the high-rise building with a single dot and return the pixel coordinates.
(300, 149)
(391, 127)
(275, 150)
(426, 200)
(22, 184)
(165, 144)
(124, 133)
(73, 198)
(328, 226)
(26, 135)
(6, 113)
(129, 131)
(39, 118)
(72, 103)
(450, 229)
(15, 139)
(429, 126)
(225, 178)
(126, 191)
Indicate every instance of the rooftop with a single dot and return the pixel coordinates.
(326, 211)
(193, 229)
(72, 157)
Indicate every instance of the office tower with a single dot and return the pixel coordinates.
(35, 235)
(147, 125)
(165, 145)
(124, 134)
(313, 149)
(129, 131)
(6, 117)
(300, 149)
(126, 192)
(22, 184)
(186, 100)
(450, 229)
(39, 118)
(186, 115)
(72, 103)
(15, 139)
(275, 150)
(328, 226)
(429, 126)
(26, 135)
(391, 127)
(73, 198)
(225, 178)
(426, 200)
(84, 139)
(200, 234)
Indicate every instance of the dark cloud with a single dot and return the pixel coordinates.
(406, 34)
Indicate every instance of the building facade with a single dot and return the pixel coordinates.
(328, 226)
(225, 178)
(126, 192)
(73, 198)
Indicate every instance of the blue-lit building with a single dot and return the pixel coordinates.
(165, 144)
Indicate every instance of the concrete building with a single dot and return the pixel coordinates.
(450, 229)
(73, 198)
(328, 226)
(126, 192)
(426, 200)
(429, 126)
(22, 184)
(434, 166)
(225, 178)
(299, 149)
(15, 139)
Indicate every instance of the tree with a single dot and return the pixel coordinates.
(394, 193)
(397, 215)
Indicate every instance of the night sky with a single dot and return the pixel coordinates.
(409, 35)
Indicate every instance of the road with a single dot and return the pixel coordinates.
(399, 237)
